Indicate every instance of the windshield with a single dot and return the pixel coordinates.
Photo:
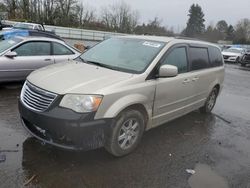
(6, 44)
(23, 26)
(234, 50)
(124, 54)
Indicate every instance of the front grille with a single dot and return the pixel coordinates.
(35, 98)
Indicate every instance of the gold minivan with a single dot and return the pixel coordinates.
(118, 89)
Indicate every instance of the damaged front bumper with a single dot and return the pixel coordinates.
(66, 129)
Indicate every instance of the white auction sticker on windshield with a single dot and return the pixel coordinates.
(152, 44)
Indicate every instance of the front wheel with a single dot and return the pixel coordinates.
(126, 133)
(210, 102)
(237, 60)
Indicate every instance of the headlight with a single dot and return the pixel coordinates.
(81, 103)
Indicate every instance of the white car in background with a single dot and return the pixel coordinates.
(233, 55)
(25, 25)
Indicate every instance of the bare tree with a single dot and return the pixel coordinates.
(85, 14)
(242, 31)
(120, 17)
(49, 8)
(11, 6)
(65, 7)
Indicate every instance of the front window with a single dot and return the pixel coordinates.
(6, 44)
(124, 54)
(178, 58)
(37, 48)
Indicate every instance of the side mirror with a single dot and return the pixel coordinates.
(10, 54)
(168, 71)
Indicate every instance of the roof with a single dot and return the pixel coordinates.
(27, 23)
(27, 38)
(149, 37)
(169, 39)
(27, 32)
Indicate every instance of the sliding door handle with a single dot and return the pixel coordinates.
(195, 78)
(186, 81)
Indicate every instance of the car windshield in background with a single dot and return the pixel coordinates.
(6, 44)
(234, 50)
(123, 54)
(22, 26)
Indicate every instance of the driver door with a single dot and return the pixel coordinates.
(173, 95)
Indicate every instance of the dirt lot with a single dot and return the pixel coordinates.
(216, 147)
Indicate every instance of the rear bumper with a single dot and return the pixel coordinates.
(66, 129)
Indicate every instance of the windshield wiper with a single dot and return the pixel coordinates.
(80, 59)
(96, 63)
(99, 64)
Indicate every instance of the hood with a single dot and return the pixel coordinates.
(75, 77)
(231, 53)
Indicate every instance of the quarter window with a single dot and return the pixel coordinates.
(215, 57)
(33, 49)
(199, 58)
(59, 49)
(178, 58)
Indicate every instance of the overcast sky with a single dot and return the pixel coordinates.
(174, 12)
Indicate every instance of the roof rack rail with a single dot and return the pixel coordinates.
(187, 38)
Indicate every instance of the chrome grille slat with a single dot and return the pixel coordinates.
(34, 102)
(36, 94)
(31, 104)
(39, 99)
(35, 98)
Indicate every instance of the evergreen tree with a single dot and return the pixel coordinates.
(195, 24)
(222, 26)
(230, 33)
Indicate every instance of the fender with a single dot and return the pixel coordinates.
(123, 103)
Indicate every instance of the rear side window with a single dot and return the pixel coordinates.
(178, 58)
(59, 49)
(199, 58)
(215, 57)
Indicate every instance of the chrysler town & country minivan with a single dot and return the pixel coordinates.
(118, 89)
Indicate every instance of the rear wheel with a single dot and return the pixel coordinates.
(243, 65)
(126, 133)
(210, 102)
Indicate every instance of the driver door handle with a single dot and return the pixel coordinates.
(48, 59)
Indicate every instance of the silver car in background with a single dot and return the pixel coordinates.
(19, 56)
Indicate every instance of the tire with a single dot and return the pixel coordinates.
(243, 65)
(125, 133)
(237, 60)
(210, 102)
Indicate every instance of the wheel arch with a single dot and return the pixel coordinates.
(139, 107)
(135, 101)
